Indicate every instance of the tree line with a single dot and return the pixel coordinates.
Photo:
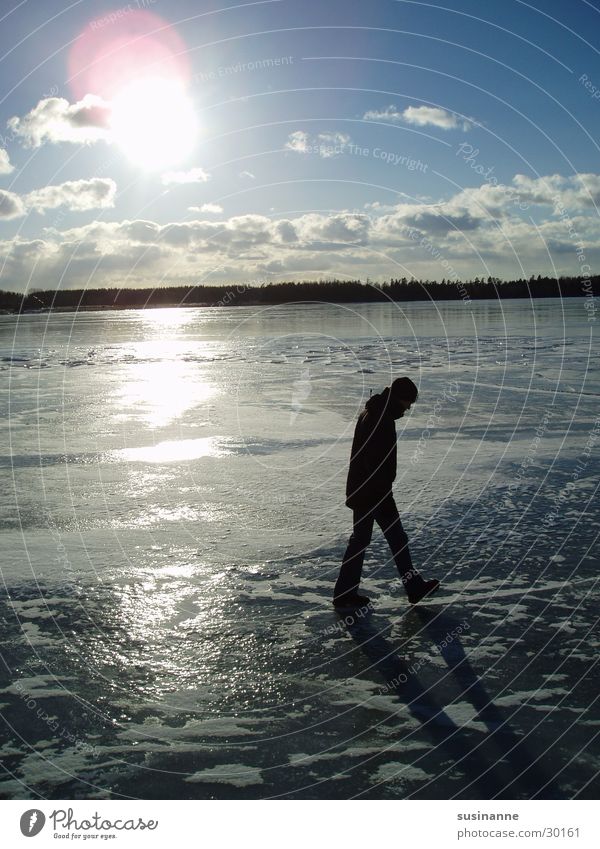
(332, 291)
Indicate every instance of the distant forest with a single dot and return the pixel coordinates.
(331, 291)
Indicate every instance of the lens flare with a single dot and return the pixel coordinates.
(111, 53)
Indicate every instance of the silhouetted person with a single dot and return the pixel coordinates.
(369, 493)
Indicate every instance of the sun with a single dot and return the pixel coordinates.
(154, 123)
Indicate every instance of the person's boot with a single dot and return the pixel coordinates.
(420, 588)
(351, 600)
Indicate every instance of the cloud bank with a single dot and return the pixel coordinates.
(476, 227)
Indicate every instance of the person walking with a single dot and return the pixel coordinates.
(371, 474)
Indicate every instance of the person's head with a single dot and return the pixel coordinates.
(403, 394)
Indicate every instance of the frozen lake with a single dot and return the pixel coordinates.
(173, 521)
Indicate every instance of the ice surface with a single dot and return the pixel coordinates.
(173, 521)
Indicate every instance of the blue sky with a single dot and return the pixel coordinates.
(291, 140)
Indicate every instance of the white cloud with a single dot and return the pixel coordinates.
(286, 231)
(54, 120)
(421, 116)
(97, 193)
(562, 194)
(332, 144)
(478, 208)
(297, 141)
(391, 113)
(11, 205)
(76, 195)
(208, 208)
(575, 192)
(5, 166)
(431, 219)
(343, 227)
(325, 145)
(194, 175)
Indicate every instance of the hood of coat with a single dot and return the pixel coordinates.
(382, 406)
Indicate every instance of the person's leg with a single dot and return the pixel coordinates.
(349, 578)
(387, 517)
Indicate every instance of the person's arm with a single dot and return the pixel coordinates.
(379, 440)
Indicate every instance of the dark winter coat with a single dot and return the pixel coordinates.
(373, 457)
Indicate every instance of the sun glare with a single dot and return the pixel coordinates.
(154, 123)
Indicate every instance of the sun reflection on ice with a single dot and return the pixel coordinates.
(159, 393)
(163, 381)
(173, 451)
(160, 318)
